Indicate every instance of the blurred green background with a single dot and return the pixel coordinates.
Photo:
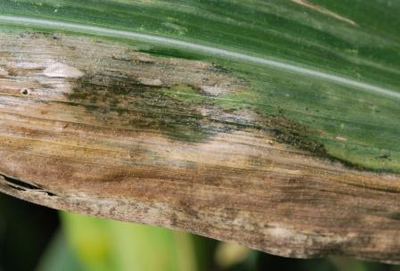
(40, 239)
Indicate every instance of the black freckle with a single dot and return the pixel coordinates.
(25, 91)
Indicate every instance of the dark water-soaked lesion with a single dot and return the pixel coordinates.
(124, 101)
(294, 134)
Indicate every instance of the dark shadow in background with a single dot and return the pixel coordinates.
(25, 231)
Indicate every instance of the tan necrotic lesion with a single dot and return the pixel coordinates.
(118, 86)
